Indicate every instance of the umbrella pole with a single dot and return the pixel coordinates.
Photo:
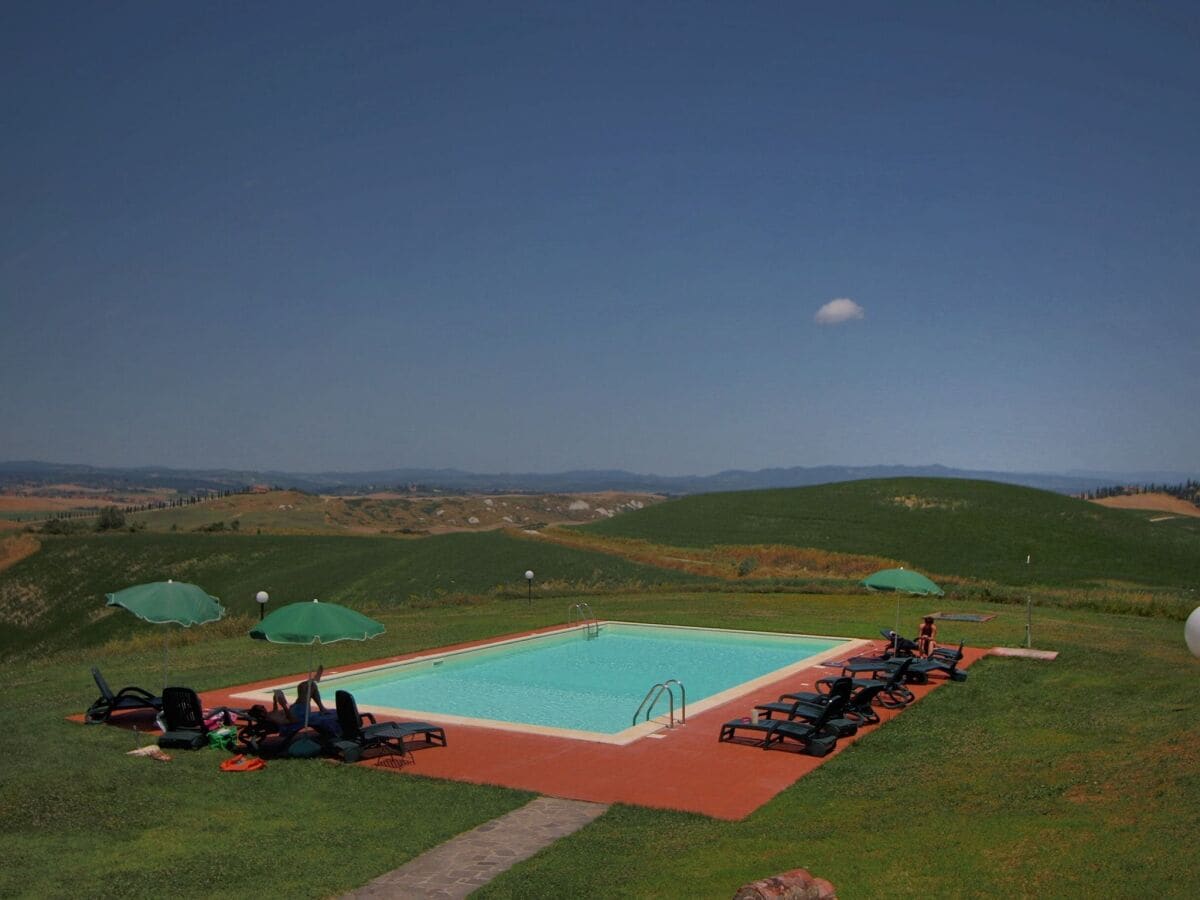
(308, 685)
(164, 659)
(896, 630)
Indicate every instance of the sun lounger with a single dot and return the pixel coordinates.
(921, 669)
(892, 693)
(799, 711)
(127, 698)
(815, 737)
(945, 653)
(271, 733)
(898, 645)
(185, 724)
(841, 686)
(815, 741)
(858, 707)
(814, 706)
(389, 736)
(918, 670)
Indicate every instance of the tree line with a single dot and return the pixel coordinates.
(1188, 490)
(106, 516)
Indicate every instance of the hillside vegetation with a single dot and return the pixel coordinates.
(55, 597)
(295, 512)
(969, 529)
(819, 539)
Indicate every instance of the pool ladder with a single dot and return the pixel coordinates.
(582, 613)
(652, 695)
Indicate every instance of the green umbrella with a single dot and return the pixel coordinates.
(901, 581)
(164, 602)
(315, 623)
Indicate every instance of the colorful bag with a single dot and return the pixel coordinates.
(223, 738)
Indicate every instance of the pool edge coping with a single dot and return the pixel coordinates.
(621, 738)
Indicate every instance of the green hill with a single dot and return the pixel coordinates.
(55, 598)
(971, 529)
(947, 527)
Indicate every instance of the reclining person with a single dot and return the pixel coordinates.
(308, 693)
(290, 716)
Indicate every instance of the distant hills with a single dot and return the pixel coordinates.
(36, 473)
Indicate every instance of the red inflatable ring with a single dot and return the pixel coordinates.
(242, 763)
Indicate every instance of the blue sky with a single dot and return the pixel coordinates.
(546, 237)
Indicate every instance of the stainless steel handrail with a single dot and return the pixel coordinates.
(583, 612)
(657, 691)
(682, 698)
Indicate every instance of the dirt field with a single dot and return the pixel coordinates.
(52, 498)
(15, 548)
(1155, 502)
(21, 503)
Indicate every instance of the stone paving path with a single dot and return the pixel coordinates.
(464, 863)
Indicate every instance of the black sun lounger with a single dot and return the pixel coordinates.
(184, 720)
(918, 670)
(816, 742)
(808, 709)
(892, 694)
(945, 653)
(858, 701)
(267, 734)
(389, 736)
(815, 737)
(898, 644)
(799, 711)
(127, 698)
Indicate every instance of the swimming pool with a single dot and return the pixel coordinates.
(570, 684)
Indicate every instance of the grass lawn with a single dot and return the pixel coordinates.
(1068, 778)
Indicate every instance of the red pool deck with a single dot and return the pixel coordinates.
(684, 768)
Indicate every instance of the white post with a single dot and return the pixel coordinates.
(896, 630)
(1028, 612)
(308, 683)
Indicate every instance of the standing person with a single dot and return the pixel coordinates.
(927, 638)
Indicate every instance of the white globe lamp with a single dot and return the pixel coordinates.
(1191, 631)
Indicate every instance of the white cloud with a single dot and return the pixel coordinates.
(837, 311)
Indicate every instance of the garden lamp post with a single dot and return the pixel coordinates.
(529, 581)
(262, 597)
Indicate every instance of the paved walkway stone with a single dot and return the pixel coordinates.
(464, 863)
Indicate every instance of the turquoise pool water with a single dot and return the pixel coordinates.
(566, 681)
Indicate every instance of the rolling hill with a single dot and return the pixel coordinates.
(54, 598)
(973, 529)
(964, 530)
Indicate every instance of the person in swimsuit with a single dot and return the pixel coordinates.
(927, 638)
